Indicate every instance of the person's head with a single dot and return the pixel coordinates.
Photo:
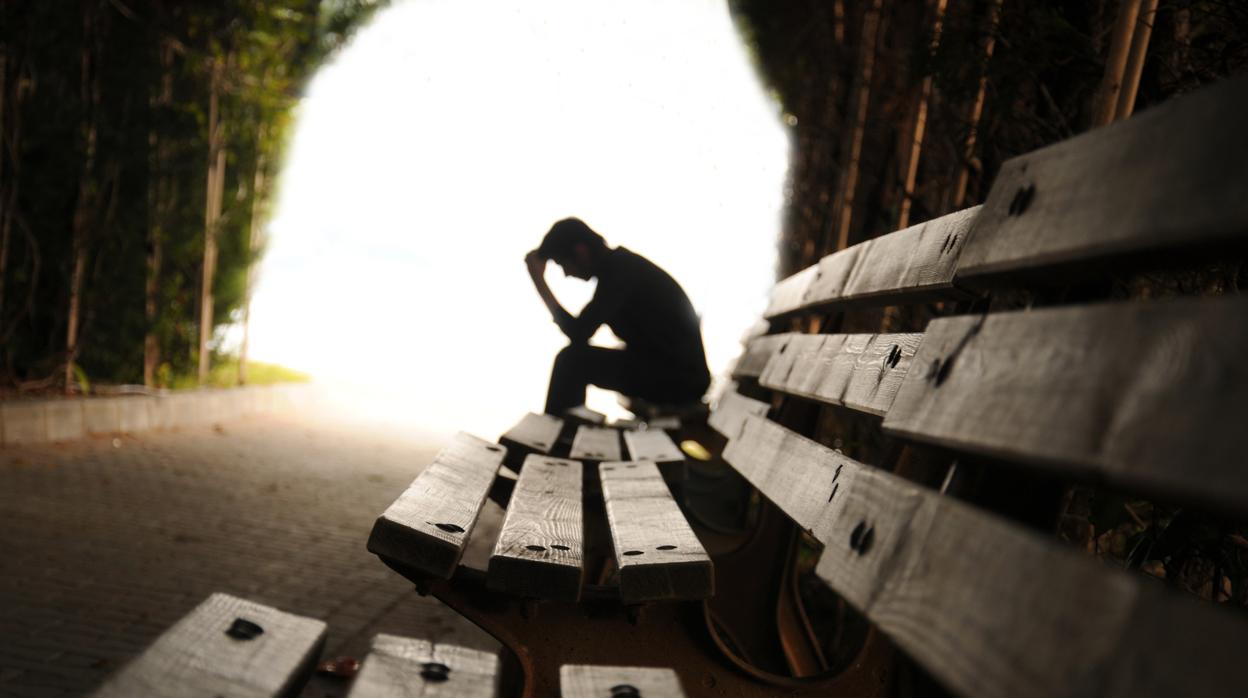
(574, 246)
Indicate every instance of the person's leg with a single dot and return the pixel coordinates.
(579, 365)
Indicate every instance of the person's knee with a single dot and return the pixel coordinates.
(573, 354)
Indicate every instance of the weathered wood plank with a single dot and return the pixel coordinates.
(902, 266)
(586, 681)
(756, 354)
(539, 553)
(1170, 177)
(859, 371)
(789, 294)
(652, 445)
(1149, 395)
(534, 433)
(583, 414)
(427, 527)
(990, 608)
(658, 555)
(268, 653)
(596, 444)
(403, 667)
(797, 482)
(728, 417)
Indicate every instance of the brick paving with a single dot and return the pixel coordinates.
(106, 543)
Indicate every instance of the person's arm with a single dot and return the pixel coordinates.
(577, 329)
(536, 264)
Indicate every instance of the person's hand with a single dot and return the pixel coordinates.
(536, 263)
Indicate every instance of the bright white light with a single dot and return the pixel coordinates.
(441, 145)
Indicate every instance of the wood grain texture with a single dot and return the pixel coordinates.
(1170, 177)
(428, 526)
(859, 371)
(1148, 395)
(539, 553)
(800, 482)
(535, 433)
(991, 609)
(658, 555)
(903, 266)
(195, 657)
(757, 352)
(586, 681)
(728, 417)
(402, 667)
(652, 445)
(596, 444)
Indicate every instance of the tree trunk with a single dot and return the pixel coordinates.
(159, 206)
(88, 194)
(212, 215)
(862, 101)
(6, 200)
(255, 242)
(912, 154)
(1135, 60)
(958, 198)
(1116, 63)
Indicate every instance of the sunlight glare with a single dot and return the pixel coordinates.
(443, 142)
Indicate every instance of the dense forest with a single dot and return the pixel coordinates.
(141, 139)
(903, 110)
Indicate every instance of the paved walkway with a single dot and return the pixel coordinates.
(107, 542)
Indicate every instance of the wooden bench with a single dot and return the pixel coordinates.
(921, 415)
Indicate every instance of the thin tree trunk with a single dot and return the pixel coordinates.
(6, 201)
(212, 214)
(255, 241)
(1135, 60)
(862, 102)
(958, 199)
(158, 208)
(920, 124)
(85, 207)
(1116, 63)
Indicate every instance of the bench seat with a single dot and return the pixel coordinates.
(403, 666)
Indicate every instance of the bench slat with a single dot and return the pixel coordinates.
(730, 412)
(757, 352)
(859, 371)
(991, 609)
(544, 512)
(658, 555)
(1167, 178)
(586, 681)
(596, 444)
(534, 433)
(397, 667)
(428, 526)
(652, 445)
(1146, 394)
(195, 657)
(903, 266)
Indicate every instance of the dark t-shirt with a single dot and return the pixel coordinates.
(645, 307)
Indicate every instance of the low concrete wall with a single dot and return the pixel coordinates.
(40, 421)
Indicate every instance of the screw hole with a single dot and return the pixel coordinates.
(631, 553)
(535, 548)
(625, 691)
(560, 547)
(495, 449)
(243, 629)
(894, 356)
(630, 467)
(434, 672)
(666, 547)
(450, 527)
(609, 467)
(861, 538)
(834, 488)
(1022, 199)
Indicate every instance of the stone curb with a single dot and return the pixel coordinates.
(43, 421)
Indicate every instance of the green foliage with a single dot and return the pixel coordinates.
(104, 113)
(224, 374)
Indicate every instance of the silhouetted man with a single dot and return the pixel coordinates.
(663, 359)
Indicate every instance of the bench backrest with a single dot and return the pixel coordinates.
(1049, 371)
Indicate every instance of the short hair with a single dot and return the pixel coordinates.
(564, 236)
